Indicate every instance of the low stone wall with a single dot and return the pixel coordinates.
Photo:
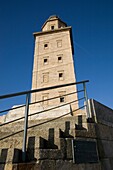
(49, 142)
(52, 165)
(39, 112)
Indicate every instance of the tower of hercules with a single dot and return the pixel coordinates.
(53, 63)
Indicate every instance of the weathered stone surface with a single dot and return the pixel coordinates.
(93, 166)
(102, 113)
(104, 131)
(69, 165)
(65, 165)
(12, 143)
(47, 164)
(26, 166)
(52, 165)
(105, 148)
(69, 149)
(88, 133)
(52, 154)
(8, 166)
(106, 164)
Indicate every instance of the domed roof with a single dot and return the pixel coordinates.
(53, 17)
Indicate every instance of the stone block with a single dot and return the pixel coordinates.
(26, 166)
(3, 155)
(10, 155)
(2, 166)
(32, 155)
(65, 165)
(11, 143)
(8, 166)
(72, 132)
(111, 132)
(93, 166)
(105, 163)
(6, 155)
(33, 142)
(17, 156)
(111, 162)
(51, 154)
(103, 131)
(47, 164)
(89, 133)
(105, 148)
(91, 130)
(69, 149)
(63, 146)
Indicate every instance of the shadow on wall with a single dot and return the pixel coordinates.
(5, 156)
(65, 133)
(48, 144)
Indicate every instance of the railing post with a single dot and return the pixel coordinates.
(25, 127)
(86, 100)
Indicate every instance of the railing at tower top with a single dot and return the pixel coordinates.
(28, 94)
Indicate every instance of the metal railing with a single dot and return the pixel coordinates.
(27, 104)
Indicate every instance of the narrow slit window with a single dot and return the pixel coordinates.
(45, 99)
(62, 99)
(46, 78)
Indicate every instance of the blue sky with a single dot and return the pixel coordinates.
(92, 24)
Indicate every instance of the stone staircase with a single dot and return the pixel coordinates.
(49, 144)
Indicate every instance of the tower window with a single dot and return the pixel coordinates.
(61, 99)
(59, 58)
(59, 43)
(61, 75)
(45, 77)
(45, 97)
(45, 45)
(45, 60)
(52, 27)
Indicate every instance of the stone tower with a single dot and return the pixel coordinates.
(53, 63)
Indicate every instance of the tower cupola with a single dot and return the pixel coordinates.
(52, 23)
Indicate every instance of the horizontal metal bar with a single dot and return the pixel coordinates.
(41, 111)
(54, 118)
(40, 101)
(52, 108)
(56, 97)
(41, 89)
(40, 124)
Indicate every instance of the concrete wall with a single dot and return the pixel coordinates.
(103, 117)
